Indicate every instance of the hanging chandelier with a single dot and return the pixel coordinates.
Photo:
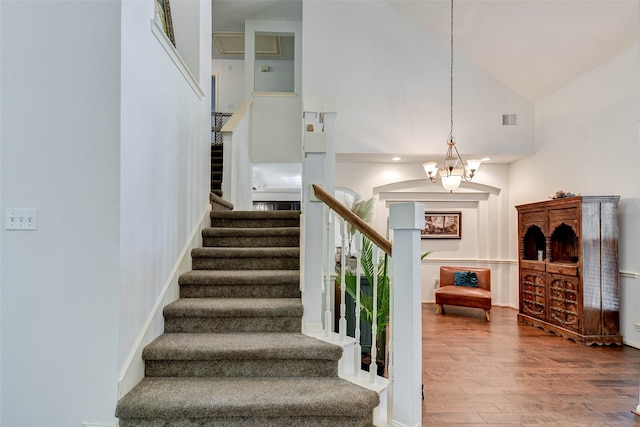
(454, 169)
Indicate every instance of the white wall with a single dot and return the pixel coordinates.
(276, 135)
(482, 203)
(165, 170)
(586, 142)
(391, 85)
(185, 15)
(109, 142)
(60, 154)
(278, 78)
(230, 74)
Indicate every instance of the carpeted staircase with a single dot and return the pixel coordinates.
(233, 353)
(216, 168)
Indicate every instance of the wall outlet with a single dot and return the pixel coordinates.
(436, 283)
(21, 219)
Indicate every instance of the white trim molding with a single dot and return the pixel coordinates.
(433, 260)
(157, 31)
(88, 424)
(132, 371)
(629, 274)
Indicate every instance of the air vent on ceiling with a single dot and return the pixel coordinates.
(233, 44)
(509, 120)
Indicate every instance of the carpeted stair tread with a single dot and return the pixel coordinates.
(240, 284)
(248, 258)
(268, 252)
(228, 237)
(250, 232)
(244, 345)
(201, 397)
(257, 214)
(234, 307)
(239, 277)
(255, 219)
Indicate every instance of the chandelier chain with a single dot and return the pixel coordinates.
(451, 80)
(454, 169)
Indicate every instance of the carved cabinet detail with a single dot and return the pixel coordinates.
(568, 262)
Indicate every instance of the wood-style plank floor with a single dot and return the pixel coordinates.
(477, 373)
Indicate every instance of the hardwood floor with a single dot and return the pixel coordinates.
(477, 373)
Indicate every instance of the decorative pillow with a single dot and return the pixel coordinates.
(465, 278)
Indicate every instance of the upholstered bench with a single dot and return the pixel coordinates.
(466, 296)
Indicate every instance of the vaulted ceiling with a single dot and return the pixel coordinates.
(520, 42)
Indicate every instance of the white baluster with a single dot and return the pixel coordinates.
(329, 260)
(390, 349)
(357, 350)
(342, 323)
(373, 367)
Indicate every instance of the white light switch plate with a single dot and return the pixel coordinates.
(21, 219)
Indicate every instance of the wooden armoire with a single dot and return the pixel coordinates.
(568, 268)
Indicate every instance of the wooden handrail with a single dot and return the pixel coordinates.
(353, 219)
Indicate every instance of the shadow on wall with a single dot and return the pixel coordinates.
(629, 232)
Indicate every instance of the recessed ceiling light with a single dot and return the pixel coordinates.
(486, 159)
(395, 159)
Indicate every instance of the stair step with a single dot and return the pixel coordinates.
(240, 284)
(258, 219)
(247, 402)
(240, 355)
(233, 315)
(245, 258)
(251, 237)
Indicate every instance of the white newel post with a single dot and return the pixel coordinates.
(318, 152)
(406, 220)
(313, 211)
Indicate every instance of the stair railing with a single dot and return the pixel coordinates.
(218, 120)
(333, 206)
(317, 260)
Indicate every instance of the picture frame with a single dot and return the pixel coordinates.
(163, 16)
(442, 225)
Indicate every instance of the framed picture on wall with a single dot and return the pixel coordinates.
(163, 16)
(442, 225)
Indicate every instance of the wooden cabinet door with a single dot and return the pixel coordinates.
(533, 295)
(565, 301)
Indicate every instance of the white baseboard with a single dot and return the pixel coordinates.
(88, 424)
(399, 424)
(133, 370)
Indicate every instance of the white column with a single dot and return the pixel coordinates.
(313, 211)
(406, 220)
(318, 167)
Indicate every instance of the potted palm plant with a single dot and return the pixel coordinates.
(370, 271)
(364, 209)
